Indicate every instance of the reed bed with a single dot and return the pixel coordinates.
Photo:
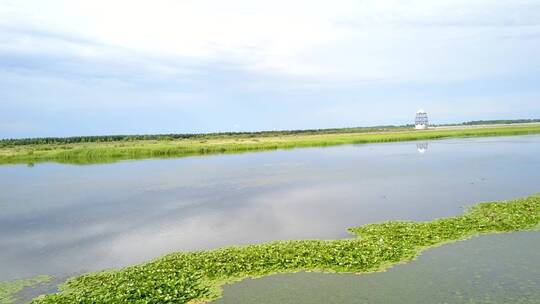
(101, 152)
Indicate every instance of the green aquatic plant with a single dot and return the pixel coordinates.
(10, 288)
(198, 276)
(111, 151)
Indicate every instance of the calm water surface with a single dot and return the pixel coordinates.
(65, 219)
(489, 269)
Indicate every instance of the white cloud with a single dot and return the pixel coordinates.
(340, 40)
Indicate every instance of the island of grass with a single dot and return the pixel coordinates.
(197, 277)
(100, 149)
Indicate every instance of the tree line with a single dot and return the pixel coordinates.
(175, 136)
(499, 121)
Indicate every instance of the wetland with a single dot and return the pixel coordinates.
(64, 220)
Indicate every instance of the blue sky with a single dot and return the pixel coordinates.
(168, 66)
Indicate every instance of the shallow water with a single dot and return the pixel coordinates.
(65, 219)
(501, 268)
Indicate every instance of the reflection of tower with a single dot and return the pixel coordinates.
(421, 120)
(422, 147)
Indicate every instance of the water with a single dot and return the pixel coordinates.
(66, 219)
(487, 269)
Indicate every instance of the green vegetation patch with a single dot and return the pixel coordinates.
(198, 276)
(82, 152)
(10, 288)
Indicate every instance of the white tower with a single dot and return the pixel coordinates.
(421, 120)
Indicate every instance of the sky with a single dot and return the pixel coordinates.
(179, 66)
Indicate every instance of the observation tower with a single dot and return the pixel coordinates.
(421, 120)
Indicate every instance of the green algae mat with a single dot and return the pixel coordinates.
(10, 288)
(196, 277)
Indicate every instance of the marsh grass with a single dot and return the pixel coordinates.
(104, 152)
(198, 276)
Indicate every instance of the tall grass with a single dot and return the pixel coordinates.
(96, 152)
(197, 276)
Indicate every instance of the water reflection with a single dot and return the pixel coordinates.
(58, 219)
(422, 147)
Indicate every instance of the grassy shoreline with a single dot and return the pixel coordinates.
(103, 152)
(196, 277)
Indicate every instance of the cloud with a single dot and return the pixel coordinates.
(362, 40)
(444, 13)
(179, 66)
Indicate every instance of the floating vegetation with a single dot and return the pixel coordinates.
(10, 288)
(81, 152)
(195, 277)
